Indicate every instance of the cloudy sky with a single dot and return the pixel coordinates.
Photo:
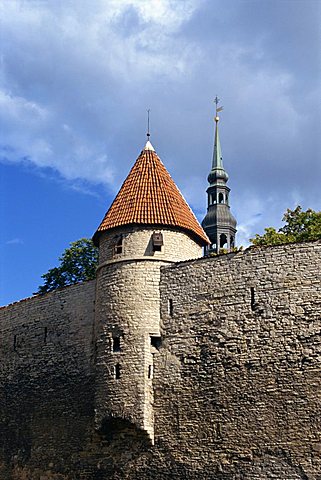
(77, 77)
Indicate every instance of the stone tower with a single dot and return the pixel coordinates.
(148, 225)
(219, 223)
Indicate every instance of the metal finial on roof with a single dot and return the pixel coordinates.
(148, 145)
(217, 108)
(148, 132)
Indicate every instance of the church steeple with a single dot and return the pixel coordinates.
(219, 223)
(217, 164)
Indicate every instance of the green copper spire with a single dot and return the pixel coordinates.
(217, 172)
(217, 154)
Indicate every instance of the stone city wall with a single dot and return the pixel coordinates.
(238, 380)
(46, 382)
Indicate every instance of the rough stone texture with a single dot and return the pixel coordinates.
(46, 382)
(127, 306)
(235, 392)
(238, 384)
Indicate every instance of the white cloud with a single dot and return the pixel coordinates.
(15, 241)
(77, 77)
(67, 65)
(30, 134)
(20, 109)
(166, 13)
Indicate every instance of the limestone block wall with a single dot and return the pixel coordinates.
(127, 303)
(128, 321)
(46, 382)
(137, 243)
(237, 383)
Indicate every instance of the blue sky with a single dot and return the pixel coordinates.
(77, 78)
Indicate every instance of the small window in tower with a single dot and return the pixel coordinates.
(117, 371)
(118, 248)
(232, 241)
(116, 344)
(150, 371)
(220, 198)
(155, 341)
(170, 307)
(157, 241)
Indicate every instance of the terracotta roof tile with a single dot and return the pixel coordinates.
(149, 196)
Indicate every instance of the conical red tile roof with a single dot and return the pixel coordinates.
(149, 196)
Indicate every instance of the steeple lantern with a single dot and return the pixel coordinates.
(219, 223)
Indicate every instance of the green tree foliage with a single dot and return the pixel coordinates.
(299, 226)
(77, 264)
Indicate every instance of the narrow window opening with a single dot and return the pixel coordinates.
(117, 371)
(15, 342)
(252, 298)
(150, 371)
(170, 307)
(232, 242)
(116, 344)
(157, 241)
(45, 335)
(223, 240)
(220, 198)
(155, 342)
(118, 248)
(218, 430)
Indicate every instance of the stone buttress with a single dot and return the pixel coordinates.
(148, 225)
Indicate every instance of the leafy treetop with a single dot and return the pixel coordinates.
(299, 226)
(77, 264)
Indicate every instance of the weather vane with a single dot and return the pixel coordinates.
(217, 109)
(148, 133)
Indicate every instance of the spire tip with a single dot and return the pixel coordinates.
(217, 108)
